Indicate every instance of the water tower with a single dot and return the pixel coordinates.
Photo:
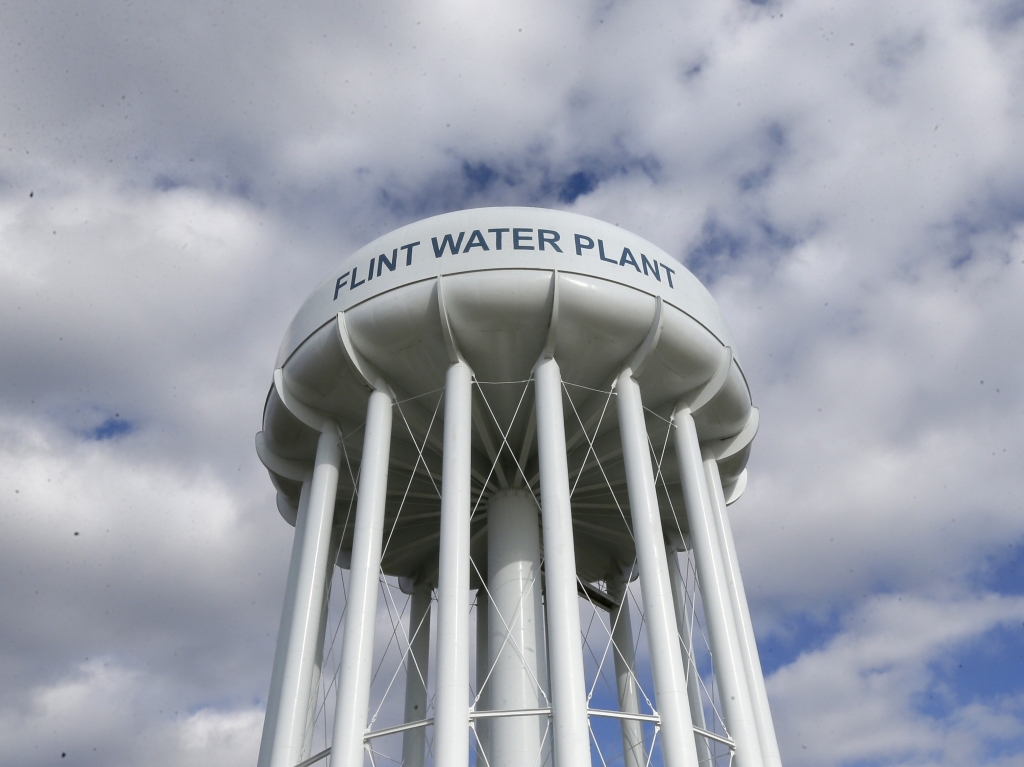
(514, 432)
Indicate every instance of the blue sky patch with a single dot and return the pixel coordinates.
(1003, 570)
(530, 179)
(579, 183)
(720, 246)
(480, 175)
(717, 242)
(112, 428)
(988, 667)
(803, 633)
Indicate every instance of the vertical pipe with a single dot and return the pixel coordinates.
(414, 742)
(318, 658)
(483, 665)
(304, 618)
(667, 668)
(515, 642)
(686, 643)
(284, 632)
(570, 728)
(314, 682)
(451, 690)
(625, 673)
(360, 615)
(725, 653)
(745, 629)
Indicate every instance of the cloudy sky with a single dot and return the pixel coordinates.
(846, 177)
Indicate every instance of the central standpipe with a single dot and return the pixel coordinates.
(518, 675)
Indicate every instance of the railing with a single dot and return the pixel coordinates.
(598, 712)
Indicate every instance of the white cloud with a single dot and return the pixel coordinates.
(107, 553)
(848, 178)
(105, 714)
(857, 699)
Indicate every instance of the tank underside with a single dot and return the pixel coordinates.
(501, 321)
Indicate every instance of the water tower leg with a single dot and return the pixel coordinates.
(667, 668)
(625, 673)
(284, 632)
(483, 665)
(302, 610)
(414, 742)
(318, 658)
(692, 678)
(745, 629)
(360, 615)
(515, 641)
(451, 690)
(725, 653)
(569, 725)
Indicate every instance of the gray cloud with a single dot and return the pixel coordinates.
(174, 180)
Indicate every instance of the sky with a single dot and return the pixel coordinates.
(846, 177)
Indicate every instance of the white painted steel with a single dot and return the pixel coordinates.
(309, 589)
(476, 715)
(686, 644)
(414, 740)
(342, 289)
(718, 611)
(483, 665)
(404, 727)
(356, 665)
(745, 629)
(318, 657)
(491, 290)
(451, 697)
(625, 672)
(570, 729)
(315, 758)
(667, 667)
(518, 676)
(283, 660)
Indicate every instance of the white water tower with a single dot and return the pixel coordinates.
(515, 432)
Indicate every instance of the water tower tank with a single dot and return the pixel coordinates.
(506, 438)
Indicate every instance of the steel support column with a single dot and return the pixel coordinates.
(725, 653)
(414, 742)
(570, 728)
(686, 643)
(451, 690)
(356, 664)
(300, 619)
(745, 629)
(321, 634)
(625, 673)
(483, 665)
(284, 633)
(666, 660)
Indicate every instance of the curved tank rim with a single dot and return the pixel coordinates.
(332, 318)
(606, 251)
